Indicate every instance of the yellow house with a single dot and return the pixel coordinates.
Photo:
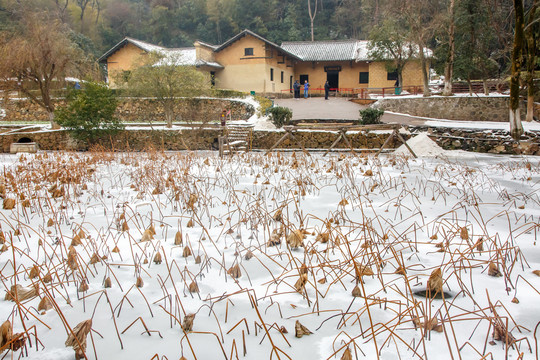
(249, 62)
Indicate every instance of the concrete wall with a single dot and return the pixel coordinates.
(492, 108)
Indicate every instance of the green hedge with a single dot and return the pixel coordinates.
(280, 115)
(370, 116)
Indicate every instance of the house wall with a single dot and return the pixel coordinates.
(204, 53)
(251, 73)
(349, 76)
(123, 59)
(412, 75)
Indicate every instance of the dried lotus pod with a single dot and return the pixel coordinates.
(45, 304)
(178, 238)
(125, 226)
(82, 234)
(198, 259)
(301, 330)
(186, 252)
(9, 204)
(34, 272)
(6, 333)
(248, 255)
(301, 283)
(363, 270)
(83, 287)
(192, 200)
(479, 246)
(368, 172)
(190, 223)
(303, 269)
(116, 249)
(4, 248)
(435, 282)
(76, 241)
(157, 258)
(2, 237)
(346, 355)
(277, 216)
(94, 259)
(296, 239)
(47, 278)
(323, 237)
(400, 271)
(77, 339)
(357, 292)
(72, 259)
(464, 233)
(234, 271)
(493, 270)
(139, 283)
(107, 283)
(536, 272)
(187, 325)
(193, 287)
(50, 222)
(147, 235)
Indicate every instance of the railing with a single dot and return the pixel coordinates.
(362, 93)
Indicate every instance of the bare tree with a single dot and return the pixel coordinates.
(61, 6)
(312, 15)
(82, 4)
(532, 38)
(449, 66)
(38, 60)
(516, 128)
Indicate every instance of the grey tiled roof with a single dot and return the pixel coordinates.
(337, 50)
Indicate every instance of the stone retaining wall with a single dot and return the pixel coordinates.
(192, 139)
(492, 108)
(139, 110)
(490, 141)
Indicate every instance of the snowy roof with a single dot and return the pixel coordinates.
(339, 50)
(181, 56)
(333, 50)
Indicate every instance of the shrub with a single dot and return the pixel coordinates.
(370, 116)
(280, 115)
(89, 113)
(224, 93)
(264, 105)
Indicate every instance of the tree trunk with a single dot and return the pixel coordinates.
(531, 36)
(169, 113)
(54, 124)
(449, 67)
(312, 15)
(516, 129)
(486, 87)
(425, 77)
(470, 85)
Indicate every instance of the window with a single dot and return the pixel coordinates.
(303, 79)
(282, 76)
(248, 51)
(364, 78)
(271, 74)
(392, 75)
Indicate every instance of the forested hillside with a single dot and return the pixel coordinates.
(480, 32)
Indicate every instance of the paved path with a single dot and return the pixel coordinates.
(338, 109)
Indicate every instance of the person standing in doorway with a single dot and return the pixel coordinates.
(306, 89)
(326, 90)
(296, 88)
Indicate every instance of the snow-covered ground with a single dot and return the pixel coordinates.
(375, 227)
